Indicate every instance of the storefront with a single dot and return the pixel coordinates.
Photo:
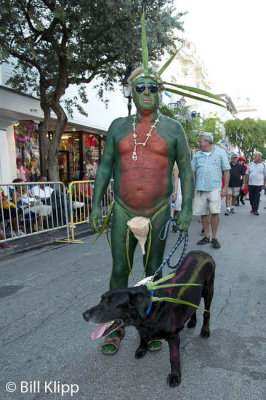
(79, 154)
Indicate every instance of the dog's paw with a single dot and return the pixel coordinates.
(205, 333)
(191, 324)
(140, 352)
(173, 380)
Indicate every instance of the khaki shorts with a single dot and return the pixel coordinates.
(233, 191)
(205, 203)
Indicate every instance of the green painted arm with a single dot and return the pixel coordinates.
(187, 180)
(102, 180)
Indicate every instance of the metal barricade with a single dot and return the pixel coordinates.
(80, 196)
(29, 208)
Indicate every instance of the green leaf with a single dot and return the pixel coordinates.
(195, 90)
(106, 223)
(169, 61)
(145, 55)
(127, 251)
(148, 249)
(177, 301)
(193, 97)
(155, 287)
(165, 278)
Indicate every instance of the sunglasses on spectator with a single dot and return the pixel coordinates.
(140, 87)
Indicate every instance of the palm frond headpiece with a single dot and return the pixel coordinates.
(145, 71)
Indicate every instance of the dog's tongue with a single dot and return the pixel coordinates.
(99, 331)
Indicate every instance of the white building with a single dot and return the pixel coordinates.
(188, 69)
(245, 107)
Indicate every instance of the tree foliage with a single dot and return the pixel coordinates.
(193, 126)
(56, 43)
(248, 135)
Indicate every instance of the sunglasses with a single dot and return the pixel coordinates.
(140, 87)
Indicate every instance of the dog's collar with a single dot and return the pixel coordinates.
(149, 308)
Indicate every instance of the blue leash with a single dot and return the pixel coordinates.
(182, 237)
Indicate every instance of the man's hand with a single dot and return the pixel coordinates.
(184, 219)
(96, 219)
(174, 197)
(224, 192)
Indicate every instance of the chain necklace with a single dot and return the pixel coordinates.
(134, 154)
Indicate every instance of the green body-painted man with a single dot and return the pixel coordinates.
(142, 178)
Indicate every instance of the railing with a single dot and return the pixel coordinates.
(29, 208)
(81, 195)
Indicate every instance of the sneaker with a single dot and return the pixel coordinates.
(237, 204)
(256, 212)
(20, 233)
(242, 201)
(13, 235)
(205, 240)
(215, 244)
(232, 211)
(227, 212)
(251, 211)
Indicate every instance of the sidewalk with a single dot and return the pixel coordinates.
(23, 244)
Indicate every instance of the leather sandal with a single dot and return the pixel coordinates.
(155, 345)
(111, 343)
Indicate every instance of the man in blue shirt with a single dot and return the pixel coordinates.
(209, 164)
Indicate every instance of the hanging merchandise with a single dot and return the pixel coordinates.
(70, 141)
(91, 141)
(19, 133)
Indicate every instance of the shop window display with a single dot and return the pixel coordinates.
(27, 151)
(69, 157)
(92, 156)
(79, 154)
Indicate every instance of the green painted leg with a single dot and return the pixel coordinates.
(120, 271)
(157, 245)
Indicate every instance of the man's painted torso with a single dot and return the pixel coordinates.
(144, 184)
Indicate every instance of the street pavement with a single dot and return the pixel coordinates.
(45, 343)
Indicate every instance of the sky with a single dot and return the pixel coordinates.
(230, 38)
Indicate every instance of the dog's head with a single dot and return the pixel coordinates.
(118, 307)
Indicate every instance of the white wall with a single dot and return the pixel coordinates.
(8, 170)
(99, 116)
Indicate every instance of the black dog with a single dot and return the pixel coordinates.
(164, 319)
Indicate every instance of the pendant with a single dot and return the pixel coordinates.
(134, 156)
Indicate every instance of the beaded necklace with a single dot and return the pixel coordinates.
(134, 154)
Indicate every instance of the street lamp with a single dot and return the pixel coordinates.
(126, 90)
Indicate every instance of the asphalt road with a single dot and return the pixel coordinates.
(46, 347)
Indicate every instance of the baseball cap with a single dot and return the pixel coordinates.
(234, 156)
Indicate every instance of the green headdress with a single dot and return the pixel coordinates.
(146, 72)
